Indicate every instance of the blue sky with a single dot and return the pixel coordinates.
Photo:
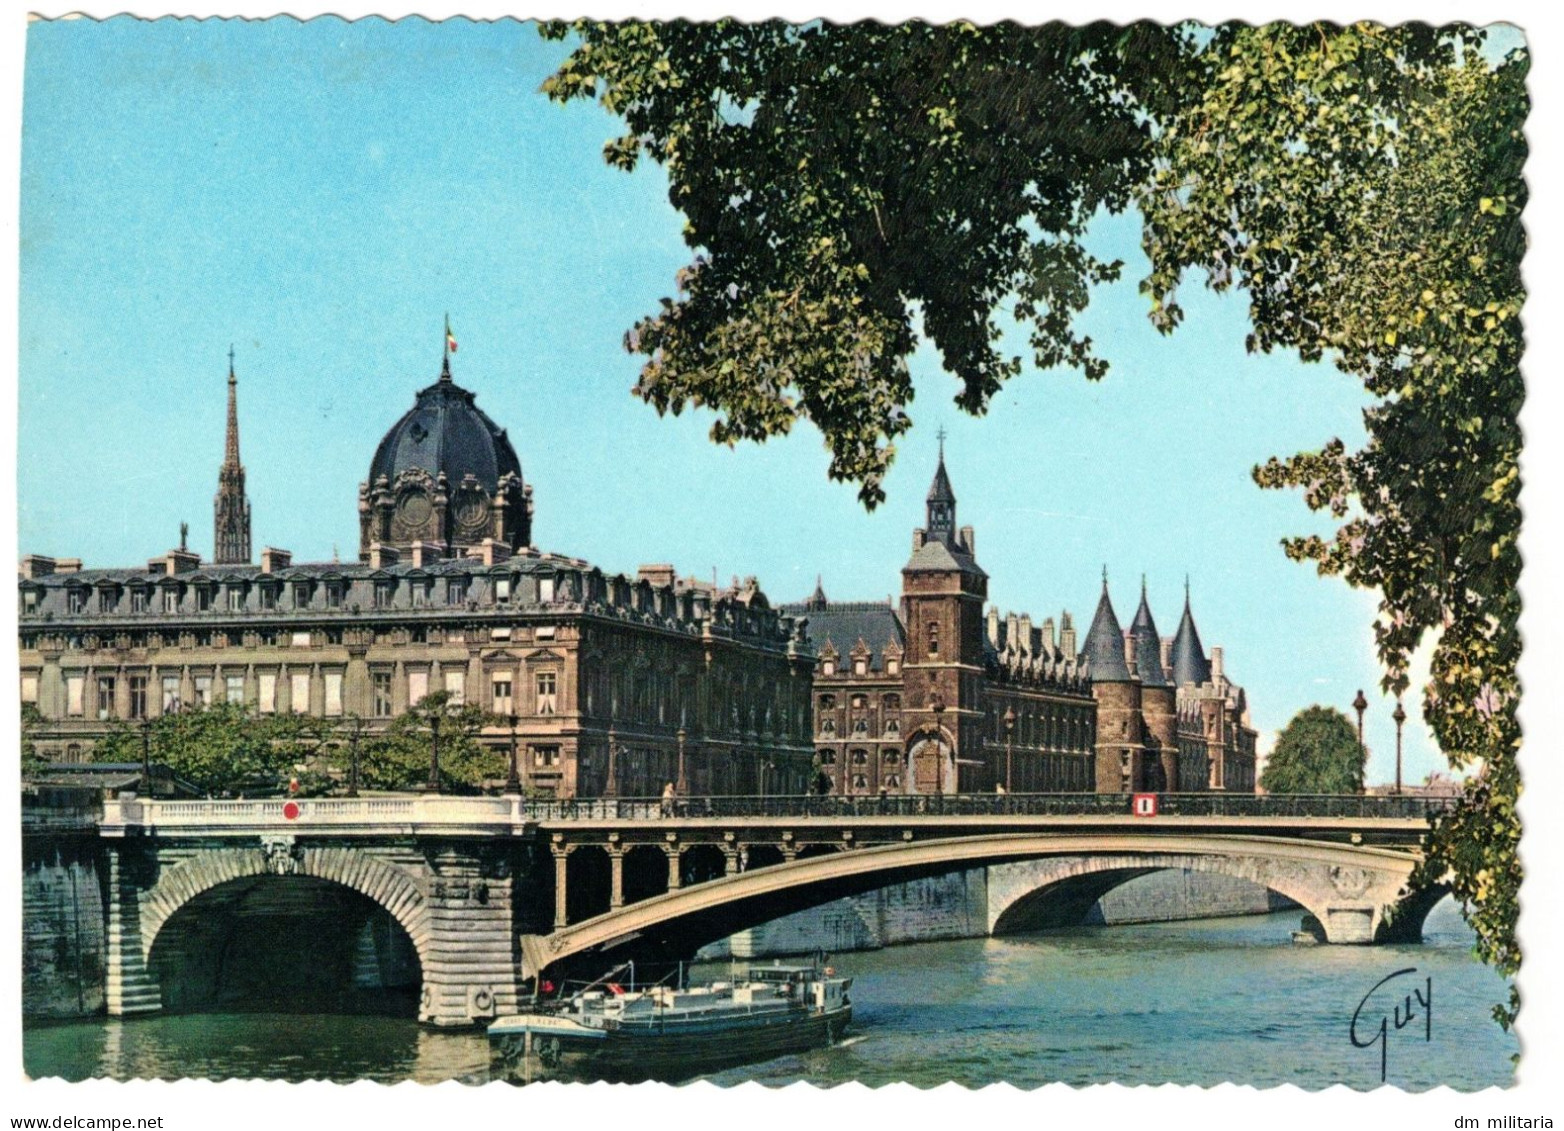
(321, 194)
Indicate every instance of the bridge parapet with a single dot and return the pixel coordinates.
(339, 816)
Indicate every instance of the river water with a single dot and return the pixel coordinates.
(1186, 1003)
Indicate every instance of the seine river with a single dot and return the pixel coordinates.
(1186, 1003)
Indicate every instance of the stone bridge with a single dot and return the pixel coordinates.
(463, 902)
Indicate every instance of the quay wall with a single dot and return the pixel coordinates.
(64, 924)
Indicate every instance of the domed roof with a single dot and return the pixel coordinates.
(445, 431)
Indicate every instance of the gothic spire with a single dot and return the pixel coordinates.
(941, 503)
(231, 446)
(231, 509)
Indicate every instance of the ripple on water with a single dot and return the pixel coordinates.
(1191, 1003)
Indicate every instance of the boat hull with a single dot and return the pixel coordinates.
(538, 1047)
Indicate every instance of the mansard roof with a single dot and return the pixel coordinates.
(1189, 658)
(1104, 647)
(1148, 645)
(845, 623)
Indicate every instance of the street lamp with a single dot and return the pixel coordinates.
(433, 784)
(513, 778)
(683, 786)
(611, 784)
(1010, 731)
(1360, 705)
(146, 757)
(358, 726)
(1400, 716)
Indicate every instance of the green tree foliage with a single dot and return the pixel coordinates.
(399, 758)
(1360, 185)
(1363, 187)
(220, 749)
(837, 180)
(32, 719)
(1317, 752)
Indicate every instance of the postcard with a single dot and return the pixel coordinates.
(719, 552)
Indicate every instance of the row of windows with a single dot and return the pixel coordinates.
(208, 689)
(236, 595)
(860, 666)
(274, 638)
(861, 726)
(890, 702)
(858, 757)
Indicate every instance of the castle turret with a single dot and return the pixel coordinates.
(1120, 750)
(1190, 666)
(1158, 706)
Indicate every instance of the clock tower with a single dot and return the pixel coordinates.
(943, 593)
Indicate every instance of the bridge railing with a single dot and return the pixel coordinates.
(313, 811)
(984, 805)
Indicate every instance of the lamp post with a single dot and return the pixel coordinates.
(1400, 716)
(433, 784)
(1010, 732)
(1360, 705)
(683, 782)
(358, 726)
(513, 778)
(146, 757)
(611, 784)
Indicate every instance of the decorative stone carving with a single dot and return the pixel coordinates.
(1350, 882)
(283, 855)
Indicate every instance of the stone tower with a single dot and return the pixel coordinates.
(231, 509)
(1157, 698)
(943, 593)
(1121, 751)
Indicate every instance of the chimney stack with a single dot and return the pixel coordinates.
(36, 565)
(274, 560)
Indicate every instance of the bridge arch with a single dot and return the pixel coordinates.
(384, 884)
(1349, 888)
(1040, 894)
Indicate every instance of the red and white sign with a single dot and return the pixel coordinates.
(1144, 805)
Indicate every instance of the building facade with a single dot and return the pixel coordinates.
(615, 684)
(936, 695)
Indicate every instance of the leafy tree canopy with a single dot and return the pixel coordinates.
(1361, 185)
(221, 748)
(1317, 752)
(399, 758)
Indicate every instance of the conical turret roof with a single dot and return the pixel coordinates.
(1148, 645)
(940, 490)
(1105, 643)
(1189, 657)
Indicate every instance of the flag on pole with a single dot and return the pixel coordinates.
(450, 338)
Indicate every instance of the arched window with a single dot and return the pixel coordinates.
(933, 630)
